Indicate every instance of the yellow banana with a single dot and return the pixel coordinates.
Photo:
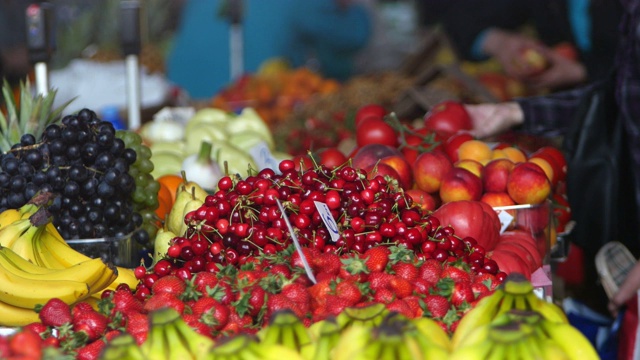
(268, 352)
(23, 292)
(14, 316)
(434, 332)
(528, 349)
(9, 216)
(12, 232)
(475, 336)
(500, 351)
(89, 272)
(156, 346)
(352, 342)
(482, 314)
(478, 351)
(51, 242)
(199, 345)
(572, 341)
(551, 350)
(548, 310)
(178, 349)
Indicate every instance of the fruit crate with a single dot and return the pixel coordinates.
(534, 222)
(119, 251)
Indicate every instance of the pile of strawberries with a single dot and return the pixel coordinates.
(242, 300)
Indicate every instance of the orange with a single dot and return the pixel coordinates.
(514, 154)
(477, 150)
(171, 182)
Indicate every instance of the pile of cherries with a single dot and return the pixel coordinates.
(243, 219)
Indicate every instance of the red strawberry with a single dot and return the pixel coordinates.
(211, 312)
(91, 351)
(125, 302)
(249, 277)
(163, 300)
(430, 270)
(204, 280)
(223, 292)
(37, 327)
(377, 258)
(319, 292)
(322, 276)
(401, 306)
(170, 284)
(437, 305)
(335, 305)
(422, 286)
(383, 296)
(353, 268)
(349, 291)
(400, 287)
(462, 292)
(415, 303)
(91, 323)
(489, 280)
(25, 343)
(456, 271)
(282, 269)
(81, 307)
(379, 280)
(278, 302)
(309, 253)
(194, 322)
(405, 270)
(296, 292)
(112, 334)
(138, 326)
(480, 290)
(237, 323)
(327, 262)
(55, 313)
(257, 300)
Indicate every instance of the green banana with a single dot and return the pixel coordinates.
(286, 329)
(122, 347)
(198, 344)
(481, 314)
(369, 316)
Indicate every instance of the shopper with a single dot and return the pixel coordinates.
(501, 29)
(603, 179)
(325, 34)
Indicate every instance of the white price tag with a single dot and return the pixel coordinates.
(261, 154)
(328, 220)
(505, 219)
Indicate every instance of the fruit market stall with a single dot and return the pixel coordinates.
(291, 216)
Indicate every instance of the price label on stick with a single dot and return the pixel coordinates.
(328, 220)
(296, 243)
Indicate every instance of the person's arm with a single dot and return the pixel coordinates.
(627, 290)
(548, 115)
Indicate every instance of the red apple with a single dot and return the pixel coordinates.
(447, 118)
(471, 218)
(495, 174)
(453, 143)
(426, 201)
(524, 239)
(460, 184)
(429, 169)
(368, 155)
(497, 199)
(555, 157)
(533, 260)
(402, 167)
(528, 184)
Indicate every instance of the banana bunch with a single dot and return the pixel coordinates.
(285, 329)
(516, 292)
(122, 347)
(244, 346)
(37, 264)
(395, 338)
(524, 335)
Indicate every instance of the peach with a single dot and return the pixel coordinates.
(368, 155)
(528, 184)
(426, 201)
(402, 167)
(429, 169)
(460, 184)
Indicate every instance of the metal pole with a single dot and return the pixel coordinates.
(40, 42)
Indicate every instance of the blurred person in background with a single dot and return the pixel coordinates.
(323, 34)
(577, 38)
(565, 114)
(14, 60)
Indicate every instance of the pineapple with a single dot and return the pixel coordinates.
(31, 116)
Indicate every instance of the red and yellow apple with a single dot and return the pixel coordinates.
(460, 184)
(429, 169)
(528, 184)
(426, 201)
(475, 167)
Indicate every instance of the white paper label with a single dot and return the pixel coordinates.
(505, 219)
(329, 221)
(263, 157)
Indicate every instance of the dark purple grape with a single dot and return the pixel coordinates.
(105, 139)
(4, 179)
(74, 152)
(89, 151)
(130, 155)
(71, 189)
(17, 183)
(111, 177)
(52, 131)
(57, 147)
(16, 200)
(27, 139)
(11, 166)
(26, 170)
(103, 161)
(34, 158)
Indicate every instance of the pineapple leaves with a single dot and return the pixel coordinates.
(32, 116)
